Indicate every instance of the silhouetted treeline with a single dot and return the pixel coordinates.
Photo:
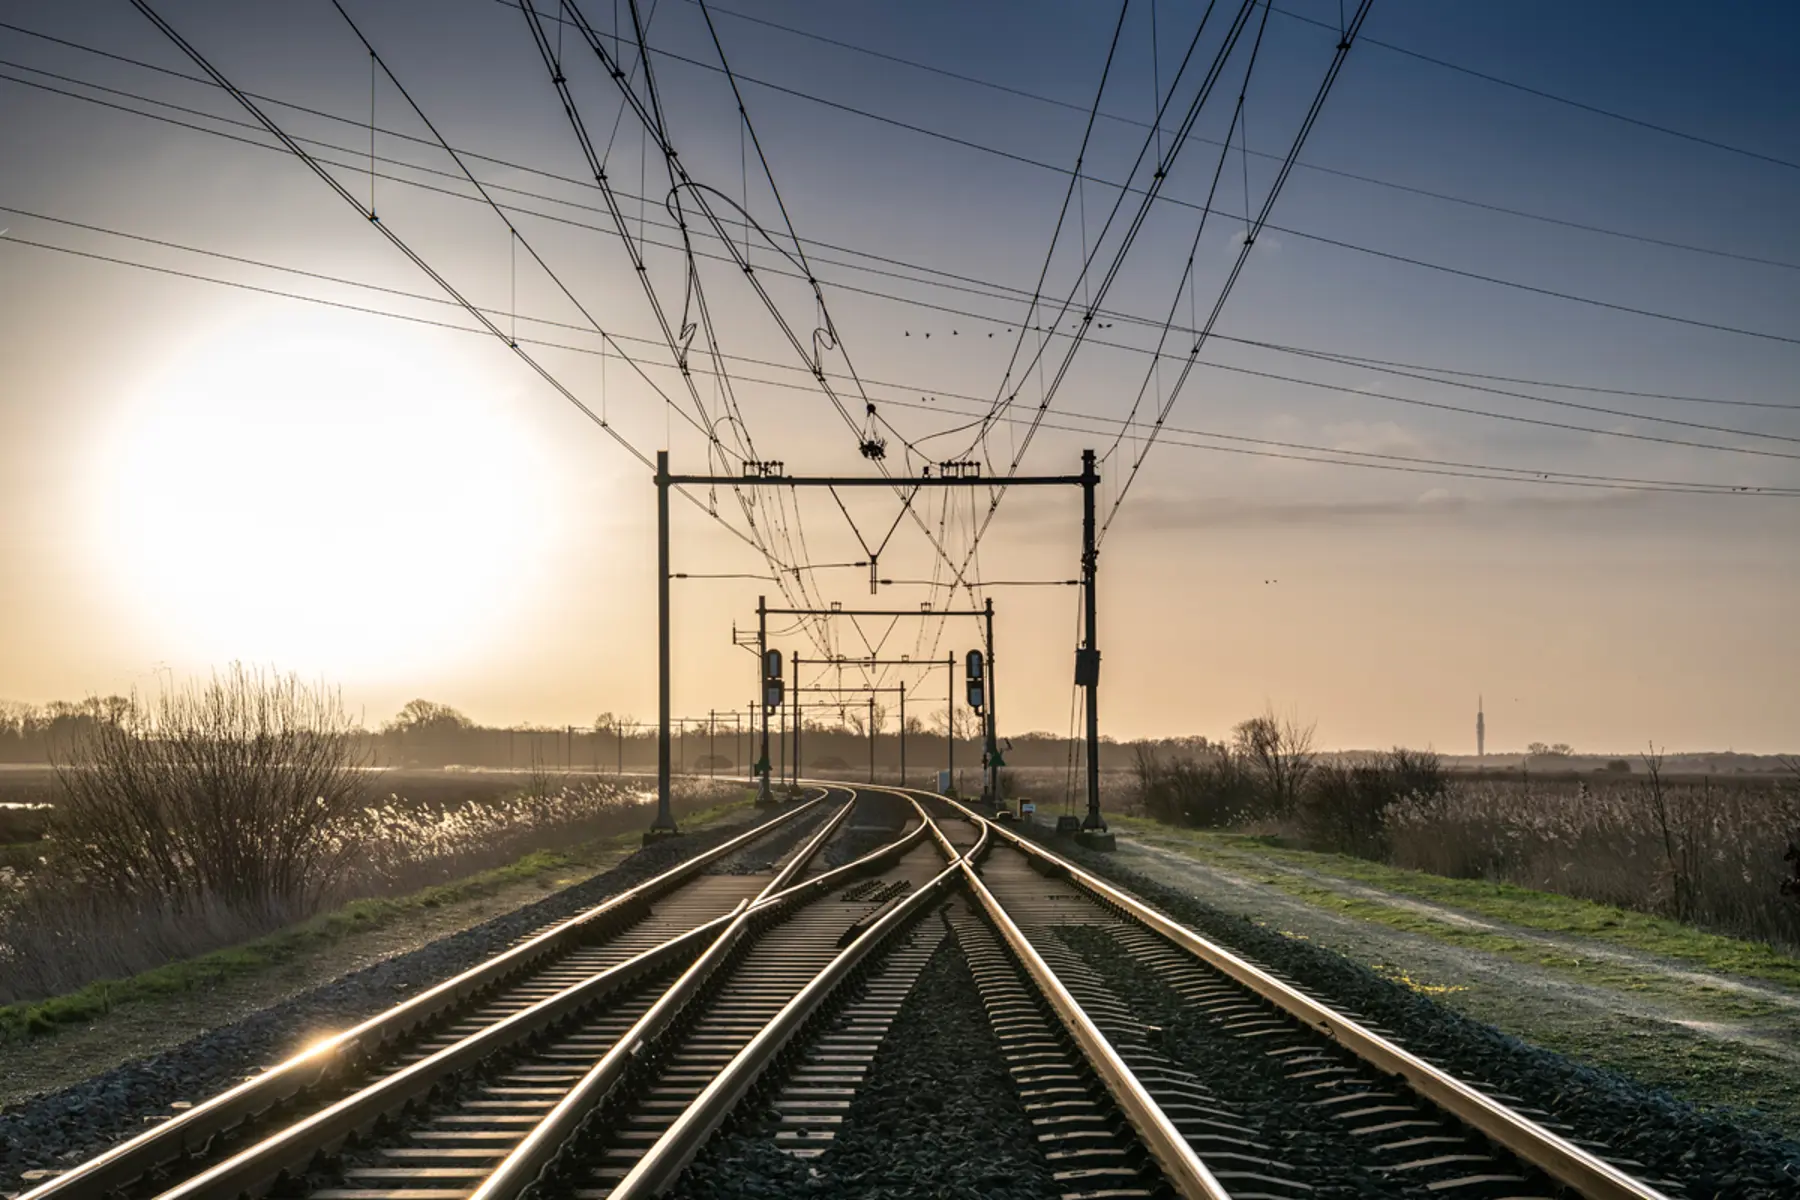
(429, 734)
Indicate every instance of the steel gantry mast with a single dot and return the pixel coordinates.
(760, 474)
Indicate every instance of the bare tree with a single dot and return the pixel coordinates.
(1280, 751)
(964, 720)
(244, 791)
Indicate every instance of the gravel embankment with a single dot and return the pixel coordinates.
(65, 1127)
(1707, 1151)
(937, 1116)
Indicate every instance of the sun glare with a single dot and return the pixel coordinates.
(298, 495)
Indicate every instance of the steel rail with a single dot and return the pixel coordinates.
(1184, 1170)
(804, 855)
(1557, 1157)
(258, 1166)
(190, 1131)
(252, 1170)
(539, 1150)
(670, 1155)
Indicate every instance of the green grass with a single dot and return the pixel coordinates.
(547, 867)
(1523, 908)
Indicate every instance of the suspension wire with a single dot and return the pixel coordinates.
(1531, 474)
(1075, 176)
(1147, 200)
(1154, 370)
(650, 117)
(1237, 267)
(201, 61)
(984, 288)
(1133, 228)
(677, 344)
(787, 220)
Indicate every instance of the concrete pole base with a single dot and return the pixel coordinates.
(653, 835)
(1097, 839)
(764, 797)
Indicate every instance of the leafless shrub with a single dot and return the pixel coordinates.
(1346, 803)
(1211, 789)
(1279, 750)
(241, 792)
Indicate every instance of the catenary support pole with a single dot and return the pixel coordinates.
(763, 796)
(871, 739)
(665, 815)
(794, 776)
(1090, 666)
(903, 733)
(950, 720)
(992, 757)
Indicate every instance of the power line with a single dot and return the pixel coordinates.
(1262, 218)
(1610, 114)
(1018, 293)
(1040, 98)
(615, 338)
(394, 239)
(1040, 164)
(1531, 472)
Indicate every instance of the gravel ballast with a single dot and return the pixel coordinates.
(937, 1116)
(62, 1128)
(1706, 1151)
(761, 858)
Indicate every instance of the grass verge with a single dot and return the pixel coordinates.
(547, 868)
(1509, 904)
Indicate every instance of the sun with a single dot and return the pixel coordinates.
(303, 494)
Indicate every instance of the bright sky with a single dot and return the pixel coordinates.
(322, 470)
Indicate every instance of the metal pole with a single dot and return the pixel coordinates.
(993, 726)
(1090, 674)
(762, 657)
(712, 729)
(950, 718)
(784, 748)
(794, 774)
(871, 739)
(903, 734)
(665, 816)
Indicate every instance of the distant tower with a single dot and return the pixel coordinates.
(1480, 730)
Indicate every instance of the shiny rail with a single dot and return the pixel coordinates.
(1565, 1162)
(192, 1130)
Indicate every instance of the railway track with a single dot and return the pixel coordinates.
(597, 1064)
(1237, 1083)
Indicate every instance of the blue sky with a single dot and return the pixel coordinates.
(462, 488)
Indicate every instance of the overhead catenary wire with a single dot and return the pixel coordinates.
(1524, 474)
(1544, 94)
(1069, 106)
(1533, 473)
(984, 288)
(650, 118)
(1040, 164)
(1243, 256)
(394, 239)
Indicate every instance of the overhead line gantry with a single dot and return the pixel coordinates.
(773, 474)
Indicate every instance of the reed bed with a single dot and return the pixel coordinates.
(1707, 853)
